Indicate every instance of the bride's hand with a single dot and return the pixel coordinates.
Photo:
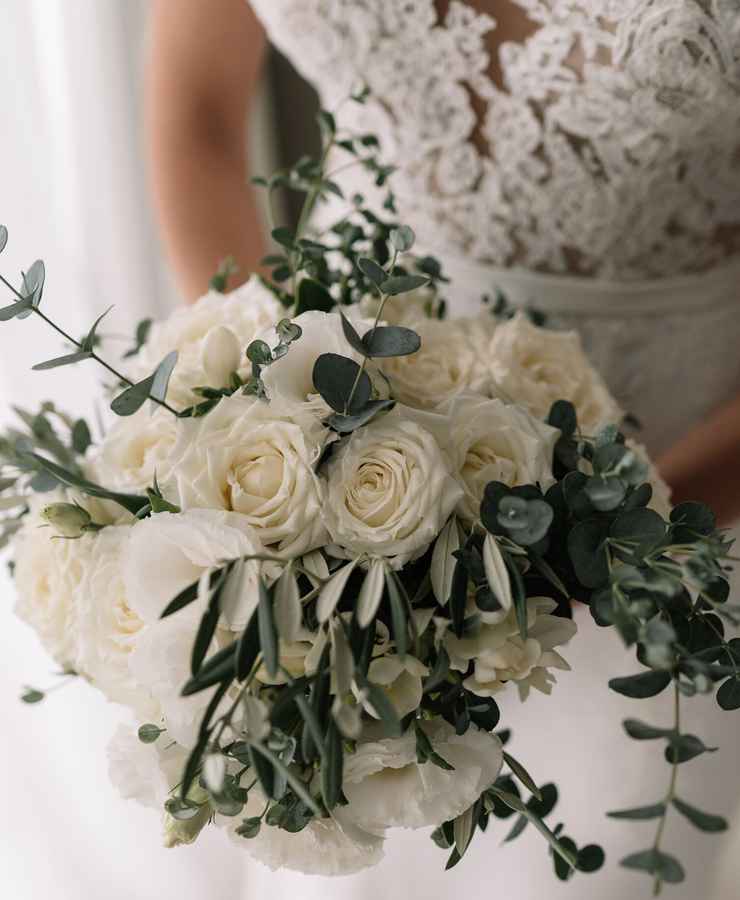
(705, 464)
(204, 65)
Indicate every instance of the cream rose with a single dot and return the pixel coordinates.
(451, 360)
(134, 450)
(487, 440)
(387, 787)
(501, 656)
(256, 459)
(534, 367)
(205, 334)
(389, 492)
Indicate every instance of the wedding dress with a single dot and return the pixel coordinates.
(582, 157)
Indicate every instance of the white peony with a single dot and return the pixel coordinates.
(48, 574)
(487, 440)
(500, 656)
(451, 360)
(387, 787)
(134, 450)
(108, 627)
(245, 313)
(535, 366)
(332, 846)
(291, 377)
(256, 459)
(389, 492)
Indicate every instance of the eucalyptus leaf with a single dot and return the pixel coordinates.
(353, 338)
(641, 731)
(728, 695)
(133, 398)
(402, 238)
(90, 340)
(372, 270)
(162, 377)
(67, 360)
(14, 309)
(390, 341)
(334, 377)
(646, 684)
(703, 821)
(3, 237)
(313, 296)
(639, 813)
(663, 866)
(403, 284)
(347, 424)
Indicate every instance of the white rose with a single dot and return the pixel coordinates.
(330, 846)
(487, 440)
(291, 377)
(534, 367)
(108, 627)
(48, 574)
(256, 459)
(134, 450)
(389, 492)
(245, 312)
(451, 360)
(167, 552)
(387, 787)
(500, 655)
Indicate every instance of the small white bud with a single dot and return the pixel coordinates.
(68, 519)
(221, 355)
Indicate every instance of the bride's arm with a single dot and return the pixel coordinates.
(705, 464)
(204, 65)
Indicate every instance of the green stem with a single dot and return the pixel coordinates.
(78, 345)
(671, 792)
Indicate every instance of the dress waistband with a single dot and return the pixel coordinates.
(716, 287)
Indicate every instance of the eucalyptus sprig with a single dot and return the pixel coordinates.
(28, 302)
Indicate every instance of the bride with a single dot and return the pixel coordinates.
(582, 157)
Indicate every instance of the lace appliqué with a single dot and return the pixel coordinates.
(610, 147)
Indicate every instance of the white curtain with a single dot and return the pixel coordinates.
(73, 191)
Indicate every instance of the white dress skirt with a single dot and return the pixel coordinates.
(574, 737)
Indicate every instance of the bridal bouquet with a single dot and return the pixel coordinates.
(330, 530)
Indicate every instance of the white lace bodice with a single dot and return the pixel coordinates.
(604, 142)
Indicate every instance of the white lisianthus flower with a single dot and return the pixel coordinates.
(389, 492)
(108, 627)
(400, 680)
(245, 312)
(535, 366)
(167, 552)
(136, 769)
(487, 440)
(387, 787)
(660, 502)
(160, 663)
(500, 656)
(48, 574)
(451, 360)
(134, 450)
(291, 377)
(256, 459)
(332, 846)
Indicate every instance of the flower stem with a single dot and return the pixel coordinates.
(671, 791)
